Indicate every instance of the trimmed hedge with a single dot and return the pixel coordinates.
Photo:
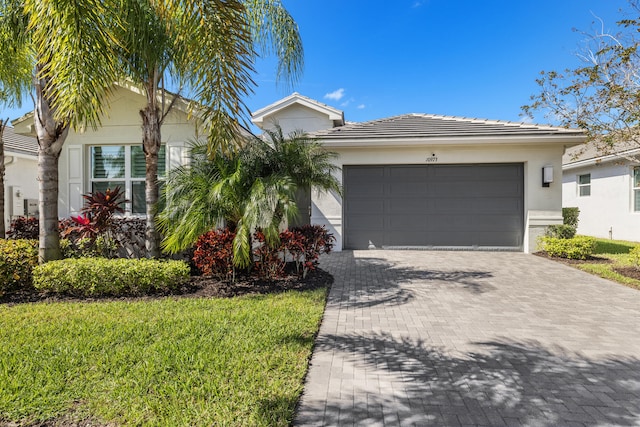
(17, 260)
(109, 277)
(579, 247)
(570, 216)
(561, 231)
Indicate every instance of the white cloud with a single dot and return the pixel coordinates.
(361, 107)
(336, 95)
(418, 3)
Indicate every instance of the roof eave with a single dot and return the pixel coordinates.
(564, 139)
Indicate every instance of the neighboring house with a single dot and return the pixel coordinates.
(606, 189)
(110, 156)
(21, 185)
(420, 180)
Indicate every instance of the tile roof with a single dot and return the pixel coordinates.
(436, 126)
(15, 143)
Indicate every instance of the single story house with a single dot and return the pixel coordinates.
(606, 189)
(415, 180)
(21, 171)
(428, 181)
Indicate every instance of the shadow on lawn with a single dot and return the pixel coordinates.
(504, 383)
(371, 281)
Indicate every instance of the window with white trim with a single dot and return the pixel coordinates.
(124, 166)
(584, 185)
(636, 189)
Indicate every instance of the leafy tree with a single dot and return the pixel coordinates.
(207, 49)
(63, 52)
(602, 96)
(251, 188)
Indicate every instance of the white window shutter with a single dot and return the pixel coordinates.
(75, 178)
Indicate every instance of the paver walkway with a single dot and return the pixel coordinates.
(472, 338)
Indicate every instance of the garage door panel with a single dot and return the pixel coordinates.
(434, 205)
(364, 173)
(366, 206)
(407, 188)
(405, 238)
(405, 222)
(404, 205)
(498, 205)
(367, 189)
(367, 222)
(407, 173)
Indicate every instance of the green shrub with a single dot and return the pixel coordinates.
(17, 260)
(109, 277)
(579, 247)
(634, 256)
(570, 216)
(561, 231)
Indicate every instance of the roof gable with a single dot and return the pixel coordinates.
(264, 114)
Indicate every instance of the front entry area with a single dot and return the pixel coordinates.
(448, 206)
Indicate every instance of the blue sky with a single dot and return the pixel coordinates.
(375, 58)
(464, 58)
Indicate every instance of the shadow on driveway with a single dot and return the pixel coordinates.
(504, 383)
(370, 281)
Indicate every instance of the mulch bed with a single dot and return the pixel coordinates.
(630, 272)
(197, 287)
(589, 260)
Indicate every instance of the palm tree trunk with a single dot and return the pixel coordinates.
(51, 135)
(3, 230)
(151, 140)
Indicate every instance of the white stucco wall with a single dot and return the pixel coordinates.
(610, 205)
(122, 125)
(542, 205)
(298, 117)
(21, 174)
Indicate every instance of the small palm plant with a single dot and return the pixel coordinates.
(252, 188)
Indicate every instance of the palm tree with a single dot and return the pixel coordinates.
(207, 49)
(64, 52)
(252, 188)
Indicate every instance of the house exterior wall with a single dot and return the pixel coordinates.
(608, 211)
(542, 205)
(121, 125)
(20, 184)
(298, 117)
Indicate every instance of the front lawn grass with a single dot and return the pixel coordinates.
(163, 362)
(617, 252)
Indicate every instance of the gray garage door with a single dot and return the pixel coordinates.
(468, 206)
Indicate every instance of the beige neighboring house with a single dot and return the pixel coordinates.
(428, 181)
(606, 189)
(110, 156)
(20, 180)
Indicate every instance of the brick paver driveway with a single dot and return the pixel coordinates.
(472, 338)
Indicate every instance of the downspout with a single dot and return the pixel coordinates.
(13, 159)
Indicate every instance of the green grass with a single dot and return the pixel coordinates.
(617, 251)
(163, 362)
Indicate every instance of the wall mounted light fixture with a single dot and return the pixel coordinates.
(547, 175)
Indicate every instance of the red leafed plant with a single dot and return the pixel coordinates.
(100, 207)
(80, 226)
(213, 254)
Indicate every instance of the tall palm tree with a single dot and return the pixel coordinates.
(252, 188)
(65, 52)
(206, 49)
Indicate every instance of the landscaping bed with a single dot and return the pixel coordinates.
(197, 287)
(611, 260)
